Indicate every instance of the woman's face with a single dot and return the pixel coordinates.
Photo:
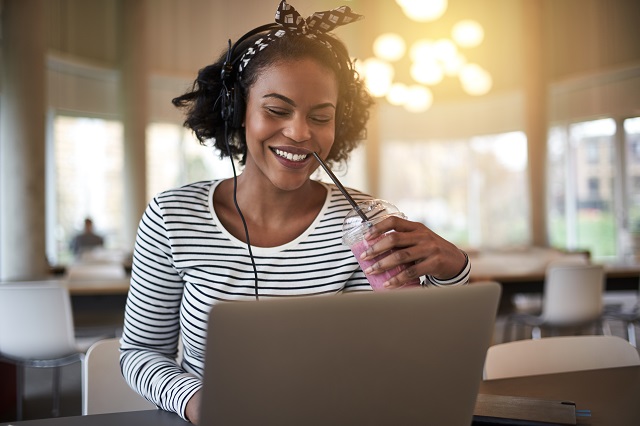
(290, 113)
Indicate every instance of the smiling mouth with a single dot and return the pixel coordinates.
(290, 156)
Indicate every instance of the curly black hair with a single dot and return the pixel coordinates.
(202, 103)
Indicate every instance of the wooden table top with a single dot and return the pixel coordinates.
(612, 395)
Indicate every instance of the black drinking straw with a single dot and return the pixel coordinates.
(341, 188)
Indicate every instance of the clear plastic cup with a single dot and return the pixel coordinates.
(354, 228)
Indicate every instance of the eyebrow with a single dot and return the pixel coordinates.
(293, 104)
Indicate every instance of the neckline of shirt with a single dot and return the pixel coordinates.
(266, 250)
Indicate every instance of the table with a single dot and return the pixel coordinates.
(99, 287)
(520, 267)
(98, 304)
(523, 271)
(519, 270)
(97, 278)
(612, 395)
(132, 418)
(98, 293)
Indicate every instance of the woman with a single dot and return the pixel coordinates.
(271, 101)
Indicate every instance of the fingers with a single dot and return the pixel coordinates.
(405, 237)
(392, 223)
(391, 251)
(412, 246)
(380, 244)
(408, 275)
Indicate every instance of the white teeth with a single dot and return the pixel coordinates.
(291, 157)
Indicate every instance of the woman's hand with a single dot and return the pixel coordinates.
(422, 250)
(193, 408)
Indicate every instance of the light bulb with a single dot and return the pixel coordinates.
(389, 46)
(475, 80)
(468, 33)
(423, 10)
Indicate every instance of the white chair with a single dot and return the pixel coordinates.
(558, 354)
(629, 316)
(37, 331)
(572, 301)
(629, 320)
(104, 389)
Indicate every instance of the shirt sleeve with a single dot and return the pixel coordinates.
(149, 343)
(460, 279)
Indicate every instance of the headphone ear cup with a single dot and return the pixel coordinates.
(238, 107)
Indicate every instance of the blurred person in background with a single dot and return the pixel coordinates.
(86, 240)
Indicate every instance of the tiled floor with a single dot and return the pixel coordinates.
(38, 402)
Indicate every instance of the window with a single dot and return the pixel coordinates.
(88, 163)
(175, 157)
(591, 148)
(635, 185)
(594, 189)
(558, 191)
(458, 188)
(581, 180)
(632, 143)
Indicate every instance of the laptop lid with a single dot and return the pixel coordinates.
(378, 358)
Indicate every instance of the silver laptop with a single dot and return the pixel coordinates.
(404, 357)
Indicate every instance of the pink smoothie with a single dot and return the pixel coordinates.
(378, 280)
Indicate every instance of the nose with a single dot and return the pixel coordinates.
(297, 129)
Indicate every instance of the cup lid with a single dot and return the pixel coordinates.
(375, 210)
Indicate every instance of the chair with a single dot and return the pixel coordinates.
(629, 316)
(532, 302)
(104, 389)
(572, 301)
(37, 331)
(629, 319)
(558, 354)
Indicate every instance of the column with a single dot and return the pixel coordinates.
(134, 99)
(535, 87)
(373, 143)
(22, 142)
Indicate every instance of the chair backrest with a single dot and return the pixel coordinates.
(558, 354)
(572, 293)
(104, 389)
(37, 320)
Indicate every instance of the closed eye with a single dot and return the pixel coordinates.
(277, 111)
(321, 119)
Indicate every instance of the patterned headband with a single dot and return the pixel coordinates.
(294, 24)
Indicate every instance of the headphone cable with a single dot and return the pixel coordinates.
(244, 222)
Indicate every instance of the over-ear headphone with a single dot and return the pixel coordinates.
(232, 105)
(232, 109)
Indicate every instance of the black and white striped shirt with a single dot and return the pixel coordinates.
(185, 261)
